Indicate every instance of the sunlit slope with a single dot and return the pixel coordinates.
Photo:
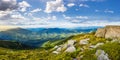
(7, 27)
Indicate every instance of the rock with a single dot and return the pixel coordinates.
(64, 46)
(81, 56)
(55, 52)
(59, 49)
(108, 32)
(97, 45)
(84, 41)
(115, 40)
(100, 32)
(101, 55)
(71, 42)
(74, 59)
(70, 49)
(69, 46)
(56, 47)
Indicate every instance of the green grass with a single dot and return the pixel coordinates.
(112, 49)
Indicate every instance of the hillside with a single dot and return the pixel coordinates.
(5, 27)
(85, 46)
(14, 34)
(13, 45)
(80, 47)
(37, 36)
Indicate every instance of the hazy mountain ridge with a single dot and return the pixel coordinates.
(36, 38)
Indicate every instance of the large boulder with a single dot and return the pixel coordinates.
(59, 49)
(101, 55)
(70, 49)
(84, 41)
(55, 52)
(71, 42)
(97, 45)
(108, 32)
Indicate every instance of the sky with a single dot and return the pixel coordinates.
(59, 13)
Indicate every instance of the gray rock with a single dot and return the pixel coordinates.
(101, 55)
(84, 41)
(56, 47)
(55, 52)
(75, 59)
(70, 49)
(69, 46)
(71, 42)
(97, 45)
(64, 46)
(59, 49)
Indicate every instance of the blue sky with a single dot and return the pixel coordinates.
(59, 13)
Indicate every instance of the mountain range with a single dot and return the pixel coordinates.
(37, 36)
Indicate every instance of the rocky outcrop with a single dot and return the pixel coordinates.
(97, 45)
(108, 32)
(101, 55)
(84, 41)
(69, 47)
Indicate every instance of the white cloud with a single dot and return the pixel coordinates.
(47, 18)
(23, 6)
(36, 10)
(50, 18)
(36, 24)
(54, 18)
(84, 5)
(74, 1)
(77, 9)
(67, 17)
(75, 21)
(91, 0)
(4, 13)
(97, 10)
(75, 17)
(18, 16)
(82, 17)
(11, 15)
(70, 4)
(57, 6)
(108, 11)
(35, 18)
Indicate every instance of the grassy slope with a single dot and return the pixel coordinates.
(5, 27)
(13, 45)
(113, 50)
